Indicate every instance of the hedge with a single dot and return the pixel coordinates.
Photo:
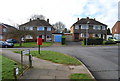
(93, 41)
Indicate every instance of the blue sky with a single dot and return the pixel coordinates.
(67, 11)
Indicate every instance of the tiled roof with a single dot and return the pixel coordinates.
(91, 21)
(6, 25)
(36, 22)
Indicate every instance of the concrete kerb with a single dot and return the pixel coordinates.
(86, 68)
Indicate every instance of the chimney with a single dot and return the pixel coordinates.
(30, 19)
(48, 20)
(87, 17)
(77, 19)
(38, 18)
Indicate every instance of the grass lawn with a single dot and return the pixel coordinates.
(55, 57)
(78, 76)
(7, 67)
(33, 44)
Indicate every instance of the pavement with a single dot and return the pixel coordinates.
(43, 69)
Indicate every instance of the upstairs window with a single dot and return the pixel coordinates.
(76, 26)
(84, 26)
(40, 28)
(48, 28)
(103, 27)
(4, 30)
(28, 28)
(97, 27)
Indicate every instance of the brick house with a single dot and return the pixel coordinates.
(40, 27)
(116, 30)
(88, 27)
(5, 28)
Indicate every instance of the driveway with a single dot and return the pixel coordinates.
(69, 43)
(101, 61)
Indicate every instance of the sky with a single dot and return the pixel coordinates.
(67, 11)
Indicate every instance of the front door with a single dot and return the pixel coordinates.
(76, 36)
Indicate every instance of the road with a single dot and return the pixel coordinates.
(101, 61)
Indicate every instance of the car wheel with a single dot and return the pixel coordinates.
(6, 46)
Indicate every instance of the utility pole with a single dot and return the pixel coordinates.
(87, 27)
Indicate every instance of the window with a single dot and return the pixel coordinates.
(84, 27)
(4, 30)
(103, 27)
(40, 28)
(97, 35)
(83, 34)
(48, 28)
(42, 36)
(28, 37)
(76, 26)
(28, 28)
(48, 38)
(97, 27)
(1, 37)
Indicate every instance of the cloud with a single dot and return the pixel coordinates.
(66, 11)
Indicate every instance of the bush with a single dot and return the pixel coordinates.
(109, 42)
(94, 41)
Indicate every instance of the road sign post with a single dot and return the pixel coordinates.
(22, 63)
(30, 59)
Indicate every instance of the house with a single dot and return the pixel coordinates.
(88, 27)
(40, 27)
(3, 29)
(116, 30)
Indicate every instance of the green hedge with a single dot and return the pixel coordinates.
(94, 41)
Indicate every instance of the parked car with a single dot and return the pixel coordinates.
(11, 41)
(114, 39)
(4, 44)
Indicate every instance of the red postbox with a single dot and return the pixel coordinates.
(39, 41)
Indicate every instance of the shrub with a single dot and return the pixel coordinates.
(109, 42)
(94, 41)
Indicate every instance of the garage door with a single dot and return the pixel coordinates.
(57, 38)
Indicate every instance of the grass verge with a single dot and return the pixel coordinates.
(78, 76)
(55, 57)
(7, 68)
(33, 44)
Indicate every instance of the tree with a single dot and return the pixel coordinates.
(59, 26)
(66, 30)
(18, 34)
(35, 16)
(109, 32)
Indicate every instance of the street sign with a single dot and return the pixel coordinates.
(17, 71)
(25, 52)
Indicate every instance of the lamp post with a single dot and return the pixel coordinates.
(87, 31)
